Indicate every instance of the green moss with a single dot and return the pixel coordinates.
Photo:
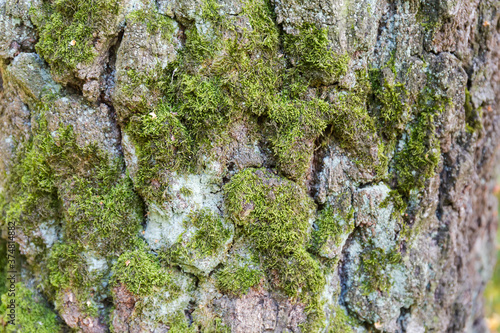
(311, 55)
(211, 233)
(330, 226)
(274, 213)
(32, 196)
(237, 280)
(66, 267)
(67, 271)
(417, 160)
(32, 314)
(55, 179)
(162, 144)
(156, 23)
(186, 192)
(155, 287)
(233, 71)
(376, 265)
(142, 274)
(341, 322)
(206, 235)
(100, 208)
(66, 30)
(391, 107)
(472, 116)
(215, 325)
(351, 124)
(3, 265)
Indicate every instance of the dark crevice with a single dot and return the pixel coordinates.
(110, 72)
(402, 320)
(189, 311)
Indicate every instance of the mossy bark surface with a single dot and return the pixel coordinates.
(248, 166)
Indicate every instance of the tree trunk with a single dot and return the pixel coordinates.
(248, 166)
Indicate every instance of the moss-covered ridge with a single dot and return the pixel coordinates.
(275, 215)
(85, 191)
(248, 70)
(68, 30)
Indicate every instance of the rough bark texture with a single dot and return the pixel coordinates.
(249, 166)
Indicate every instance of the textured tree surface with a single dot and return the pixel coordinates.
(248, 165)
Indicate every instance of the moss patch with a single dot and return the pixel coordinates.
(472, 116)
(341, 322)
(330, 227)
(206, 236)
(66, 29)
(32, 313)
(376, 264)
(142, 273)
(312, 56)
(158, 289)
(100, 208)
(274, 213)
(163, 144)
(417, 160)
(236, 69)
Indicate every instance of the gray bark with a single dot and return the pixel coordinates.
(261, 166)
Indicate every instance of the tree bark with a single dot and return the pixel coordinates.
(248, 166)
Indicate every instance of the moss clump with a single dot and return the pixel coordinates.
(472, 116)
(274, 214)
(32, 196)
(391, 109)
(417, 160)
(66, 29)
(163, 144)
(101, 210)
(312, 56)
(107, 214)
(341, 322)
(158, 289)
(206, 235)
(32, 313)
(350, 123)
(156, 23)
(376, 265)
(66, 267)
(142, 274)
(330, 228)
(67, 270)
(211, 232)
(236, 279)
